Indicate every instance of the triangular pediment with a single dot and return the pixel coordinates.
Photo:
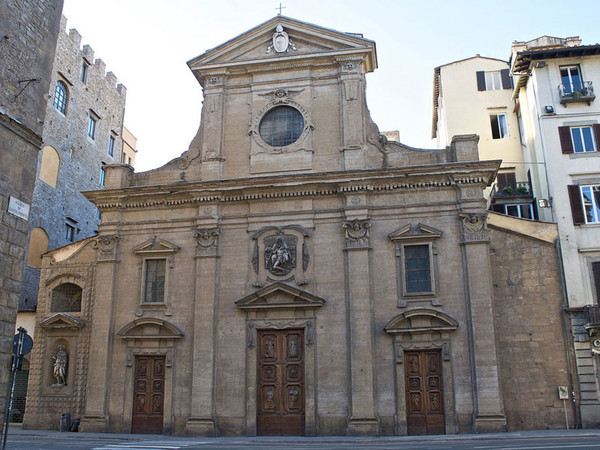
(421, 320)
(280, 296)
(305, 41)
(415, 232)
(61, 321)
(150, 328)
(156, 245)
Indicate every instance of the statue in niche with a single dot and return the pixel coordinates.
(280, 254)
(61, 360)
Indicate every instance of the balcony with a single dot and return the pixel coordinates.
(581, 92)
(512, 190)
(591, 315)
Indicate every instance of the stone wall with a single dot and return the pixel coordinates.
(530, 334)
(27, 43)
(81, 158)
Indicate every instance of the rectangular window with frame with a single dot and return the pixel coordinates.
(102, 176)
(579, 139)
(417, 269)
(596, 279)
(493, 80)
(91, 132)
(84, 71)
(111, 145)
(571, 79)
(69, 232)
(499, 124)
(154, 280)
(585, 203)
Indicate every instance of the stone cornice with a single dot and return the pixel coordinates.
(409, 178)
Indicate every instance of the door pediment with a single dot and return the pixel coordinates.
(149, 328)
(421, 320)
(280, 296)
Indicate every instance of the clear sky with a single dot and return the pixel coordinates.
(147, 43)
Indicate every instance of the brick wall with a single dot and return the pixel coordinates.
(81, 158)
(530, 339)
(28, 30)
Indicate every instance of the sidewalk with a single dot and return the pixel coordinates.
(299, 439)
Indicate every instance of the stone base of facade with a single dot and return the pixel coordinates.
(200, 426)
(490, 423)
(94, 424)
(363, 426)
(590, 414)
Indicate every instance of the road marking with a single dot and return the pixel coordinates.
(142, 446)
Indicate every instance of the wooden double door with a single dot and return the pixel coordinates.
(148, 395)
(280, 383)
(424, 392)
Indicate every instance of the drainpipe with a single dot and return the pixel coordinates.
(568, 345)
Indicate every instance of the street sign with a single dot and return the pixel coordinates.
(26, 346)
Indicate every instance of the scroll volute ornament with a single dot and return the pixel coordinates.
(357, 233)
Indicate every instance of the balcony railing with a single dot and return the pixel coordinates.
(518, 189)
(592, 316)
(576, 92)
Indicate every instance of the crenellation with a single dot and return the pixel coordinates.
(88, 53)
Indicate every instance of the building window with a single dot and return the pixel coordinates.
(281, 126)
(499, 125)
(91, 127)
(60, 97)
(111, 145)
(154, 280)
(102, 176)
(580, 139)
(66, 298)
(522, 210)
(69, 232)
(417, 269)
(571, 79)
(585, 203)
(84, 72)
(494, 80)
(596, 279)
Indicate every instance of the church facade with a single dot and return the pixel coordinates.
(295, 273)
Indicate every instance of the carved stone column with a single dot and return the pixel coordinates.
(488, 407)
(202, 421)
(358, 297)
(95, 418)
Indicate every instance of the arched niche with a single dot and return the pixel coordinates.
(49, 166)
(38, 245)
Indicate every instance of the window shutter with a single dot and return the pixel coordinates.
(506, 79)
(576, 206)
(596, 273)
(566, 144)
(596, 128)
(481, 80)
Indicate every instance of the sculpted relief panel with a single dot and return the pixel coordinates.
(281, 254)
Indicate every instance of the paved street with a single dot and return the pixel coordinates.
(530, 440)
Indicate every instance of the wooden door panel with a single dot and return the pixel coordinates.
(148, 396)
(424, 393)
(280, 405)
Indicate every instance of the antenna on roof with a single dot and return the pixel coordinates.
(280, 8)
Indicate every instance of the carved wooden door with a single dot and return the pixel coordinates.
(424, 392)
(148, 395)
(280, 390)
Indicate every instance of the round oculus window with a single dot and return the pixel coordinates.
(281, 126)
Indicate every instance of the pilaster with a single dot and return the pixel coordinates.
(213, 120)
(202, 420)
(488, 408)
(95, 418)
(352, 113)
(358, 295)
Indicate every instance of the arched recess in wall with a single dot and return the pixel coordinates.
(49, 167)
(38, 245)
